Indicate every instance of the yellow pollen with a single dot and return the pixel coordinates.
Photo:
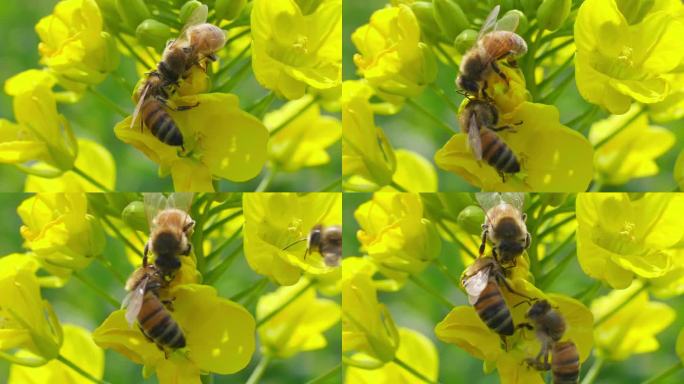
(301, 44)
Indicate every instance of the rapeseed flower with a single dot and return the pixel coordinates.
(292, 50)
(300, 325)
(396, 235)
(621, 59)
(274, 221)
(620, 237)
(302, 141)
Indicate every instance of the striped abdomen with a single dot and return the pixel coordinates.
(492, 309)
(160, 123)
(157, 324)
(565, 363)
(497, 153)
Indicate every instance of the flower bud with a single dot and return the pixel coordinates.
(228, 9)
(429, 64)
(134, 216)
(510, 19)
(554, 199)
(133, 12)
(471, 218)
(153, 33)
(552, 13)
(465, 40)
(308, 6)
(187, 9)
(454, 203)
(450, 18)
(634, 10)
(428, 25)
(529, 6)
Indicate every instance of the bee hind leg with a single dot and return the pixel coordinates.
(499, 72)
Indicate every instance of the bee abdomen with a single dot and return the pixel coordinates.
(565, 365)
(493, 311)
(157, 323)
(161, 124)
(497, 153)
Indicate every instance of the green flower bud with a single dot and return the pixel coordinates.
(153, 33)
(187, 9)
(111, 53)
(110, 14)
(228, 9)
(450, 18)
(429, 64)
(308, 6)
(471, 218)
(507, 21)
(552, 13)
(428, 25)
(530, 6)
(634, 10)
(554, 199)
(117, 202)
(133, 12)
(455, 202)
(134, 216)
(465, 40)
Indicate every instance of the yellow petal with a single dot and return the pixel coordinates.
(414, 173)
(464, 328)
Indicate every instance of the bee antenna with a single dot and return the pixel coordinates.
(295, 242)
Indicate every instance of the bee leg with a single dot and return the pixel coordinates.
(503, 176)
(484, 240)
(504, 343)
(501, 128)
(185, 107)
(146, 250)
(498, 71)
(187, 250)
(511, 290)
(168, 303)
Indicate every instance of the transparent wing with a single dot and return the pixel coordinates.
(154, 203)
(490, 22)
(488, 200)
(474, 141)
(516, 199)
(509, 22)
(198, 16)
(180, 200)
(139, 105)
(475, 284)
(134, 300)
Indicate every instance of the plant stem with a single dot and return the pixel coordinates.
(332, 372)
(429, 115)
(252, 288)
(217, 251)
(440, 92)
(665, 374)
(620, 306)
(108, 102)
(114, 302)
(456, 281)
(239, 35)
(89, 179)
(332, 185)
(555, 73)
(215, 273)
(118, 233)
(622, 128)
(294, 297)
(412, 370)
(293, 117)
(417, 281)
(554, 227)
(593, 372)
(236, 77)
(259, 370)
(398, 187)
(80, 371)
(581, 117)
(558, 89)
(267, 180)
(219, 223)
(447, 56)
(232, 62)
(133, 53)
(553, 50)
(110, 267)
(455, 240)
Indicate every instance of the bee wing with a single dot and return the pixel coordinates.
(141, 100)
(516, 199)
(488, 200)
(490, 22)
(475, 284)
(508, 23)
(134, 300)
(154, 203)
(180, 200)
(474, 141)
(198, 16)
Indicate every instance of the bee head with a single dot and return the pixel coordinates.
(538, 309)
(314, 239)
(167, 243)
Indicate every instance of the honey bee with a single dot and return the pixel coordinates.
(170, 229)
(198, 40)
(143, 304)
(478, 119)
(480, 281)
(327, 240)
(504, 225)
(493, 44)
(549, 327)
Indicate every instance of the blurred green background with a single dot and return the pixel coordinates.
(78, 304)
(409, 129)
(92, 119)
(412, 307)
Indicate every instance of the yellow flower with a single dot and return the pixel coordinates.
(78, 347)
(413, 173)
(221, 141)
(633, 328)
(619, 60)
(292, 51)
(274, 221)
(42, 137)
(220, 336)
(464, 328)
(93, 159)
(28, 322)
(300, 325)
(391, 56)
(395, 234)
(415, 349)
(632, 152)
(672, 107)
(302, 141)
(59, 231)
(620, 235)
(73, 44)
(553, 157)
(366, 152)
(367, 325)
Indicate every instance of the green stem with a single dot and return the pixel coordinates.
(293, 117)
(215, 273)
(239, 35)
(258, 109)
(622, 128)
(256, 286)
(294, 297)
(236, 77)
(417, 281)
(110, 267)
(199, 237)
(118, 233)
(108, 102)
(398, 187)
(556, 250)
(80, 371)
(267, 180)
(559, 88)
(332, 185)
(217, 251)
(133, 53)
(447, 56)
(89, 178)
(259, 370)
(665, 374)
(219, 223)
(529, 66)
(618, 307)
(544, 83)
(329, 374)
(430, 116)
(455, 240)
(455, 280)
(554, 227)
(593, 372)
(553, 50)
(440, 92)
(97, 290)
(581, 117)
(232, 62)
(588, 294)
(554, 273)
(412, 370)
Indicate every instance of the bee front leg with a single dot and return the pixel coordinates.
(484, 239)
(146, 251)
